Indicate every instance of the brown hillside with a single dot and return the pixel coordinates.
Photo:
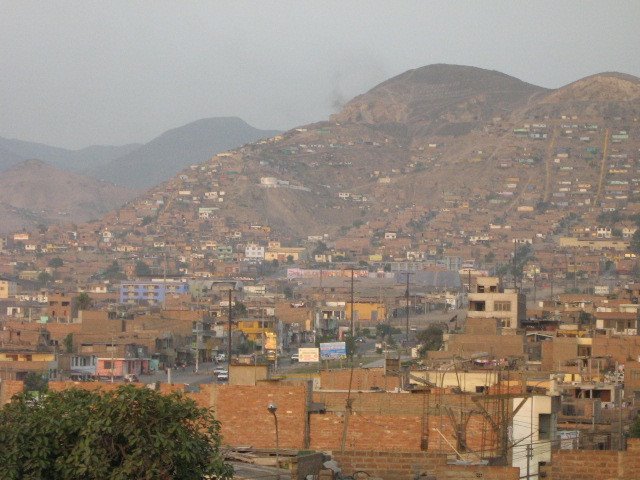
(34, 192)
(449, 100)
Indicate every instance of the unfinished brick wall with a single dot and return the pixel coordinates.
(409, 465)
(619, 348)
(9, 388)
(597, 464)
(365, 430)
(363, 379)
(242, 411)
(374, 402)
(406, 413)
(391, 422)
(88, 386)
(204, 397)
(499, 345)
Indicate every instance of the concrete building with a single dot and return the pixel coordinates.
(154, 291)
(254, 251)
(7, 288)
(489, 300)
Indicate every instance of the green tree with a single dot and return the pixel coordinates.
(113, 271)
(83, 301)
(321, 247)
(44, 278)
(350, 345)
(634, 428)
(635, 242)
(126, 434)
(55, 262)
(288, 292)
(238, 309)
(431, 338)
(142, 269)
(35, 382)
(68, 343)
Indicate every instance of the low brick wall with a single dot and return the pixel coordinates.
(410, 465)
(9, 388)
(306, 464)
(596, 464)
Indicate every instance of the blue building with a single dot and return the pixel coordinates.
(153, 291)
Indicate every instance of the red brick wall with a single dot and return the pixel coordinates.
(363, 379)
(366, 431)
(619, 348)
(9, 388)
(386, 411)
(242, 411)
(597, 465)
(408, 465)
(391, 422)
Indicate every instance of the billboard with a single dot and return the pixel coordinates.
(309, 355)
(270, 341)
(333, 350)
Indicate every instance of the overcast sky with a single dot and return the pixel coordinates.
(94, 72)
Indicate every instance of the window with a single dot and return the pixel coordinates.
(544, 426)
(502, 306)
(477, 306)
(108, 364)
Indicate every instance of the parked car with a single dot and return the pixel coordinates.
(221, 357)
(295, 357)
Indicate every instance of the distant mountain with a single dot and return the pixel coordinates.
(8, 158)
(438, 100)
(33, 192)
(604, 95)
(13, 151)
(438, 145)
(166, 155)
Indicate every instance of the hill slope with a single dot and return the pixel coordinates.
(175, 149)
(33, 192)
(439, 99)
(417, 147)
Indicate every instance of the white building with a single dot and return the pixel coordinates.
(253, 251)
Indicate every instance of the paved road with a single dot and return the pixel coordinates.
(187, 375)
(250, 471)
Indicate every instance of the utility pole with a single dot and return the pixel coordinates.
(515, 256)
(529, 457)
(406, 296)
(164, 282)
(352, 327)
(229, 334)
(112, 359)
(198, 330)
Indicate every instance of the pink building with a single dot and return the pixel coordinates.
(120, 367)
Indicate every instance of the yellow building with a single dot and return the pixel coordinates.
(367, 311)
(595, 244)
(282, 254)
(27, 357)
(257, 330)
(7, 288)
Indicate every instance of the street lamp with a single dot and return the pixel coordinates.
(273, 408)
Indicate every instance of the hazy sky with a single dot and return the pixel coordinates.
(94, 72)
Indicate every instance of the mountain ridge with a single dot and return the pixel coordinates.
(174, 149)
(34, 192)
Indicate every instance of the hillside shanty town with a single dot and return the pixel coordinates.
(422, 366)
(419, 271)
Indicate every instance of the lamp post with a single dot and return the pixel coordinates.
(273, 408)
